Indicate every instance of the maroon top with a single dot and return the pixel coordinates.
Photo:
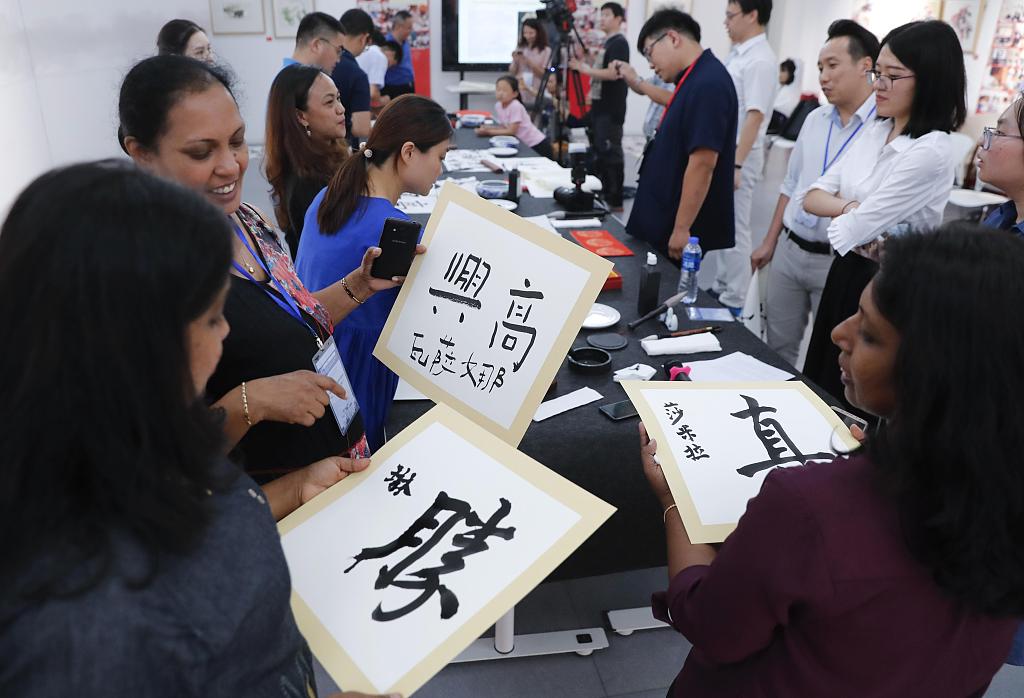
(816, 594)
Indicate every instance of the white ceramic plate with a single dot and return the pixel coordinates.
(503, 152)
(601, 315)
(505, 204)
(504, 141)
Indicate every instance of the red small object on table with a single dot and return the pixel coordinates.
(601, 242)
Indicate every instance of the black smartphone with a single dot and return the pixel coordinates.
(617, 411)
(398, 247)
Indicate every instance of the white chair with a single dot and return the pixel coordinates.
(963, 147)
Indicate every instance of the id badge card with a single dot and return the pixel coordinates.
(328, 363)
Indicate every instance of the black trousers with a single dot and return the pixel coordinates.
(846, 280)
(544, 149)
(393, 91)
(605, 134)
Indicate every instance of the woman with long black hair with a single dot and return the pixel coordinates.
(897, 570)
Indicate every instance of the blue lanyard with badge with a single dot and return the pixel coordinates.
(326, 361)
(809, 220)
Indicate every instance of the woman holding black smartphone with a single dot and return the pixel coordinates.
(403, 154)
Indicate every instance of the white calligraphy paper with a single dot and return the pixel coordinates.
(397, 569)
(486, 316)
(718, 441)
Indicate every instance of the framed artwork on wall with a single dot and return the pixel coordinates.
(236, 17)
(288, 14)
(964, 16)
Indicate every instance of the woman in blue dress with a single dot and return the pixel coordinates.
(403, 154)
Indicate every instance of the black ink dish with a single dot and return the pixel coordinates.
(590, 360)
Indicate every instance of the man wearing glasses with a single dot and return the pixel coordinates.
(317, 42)
(686, 176)
(755, 73)
(797, 242)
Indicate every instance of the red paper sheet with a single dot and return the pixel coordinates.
(601, 242)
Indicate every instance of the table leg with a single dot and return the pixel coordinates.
(507, 644)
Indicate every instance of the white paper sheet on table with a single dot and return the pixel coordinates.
(414, 204)
(693, 344)
(543, 222)
(576, 398)
(735, 367)
(577, 223)
(406, 392)
(542, 183)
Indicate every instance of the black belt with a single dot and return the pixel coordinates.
(807, 245)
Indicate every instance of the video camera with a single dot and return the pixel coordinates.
(559, 13)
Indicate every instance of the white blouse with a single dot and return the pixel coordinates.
(905, 183)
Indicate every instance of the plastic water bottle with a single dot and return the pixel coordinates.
(688, 274)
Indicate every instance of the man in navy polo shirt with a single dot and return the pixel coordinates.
(399, 79)
(686, 177)
(351, 81)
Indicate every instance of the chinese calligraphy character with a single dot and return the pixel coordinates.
(445, 364)
(399, 481)
(518, 310)
(417, 352)
(427, 579)
(769, 432)
(695, 452)
(673, 412)
(467, 273)
(686, 433)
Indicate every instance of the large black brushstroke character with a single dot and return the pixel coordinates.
(770, 433)
(428, 578)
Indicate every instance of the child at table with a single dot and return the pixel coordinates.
(513, 119)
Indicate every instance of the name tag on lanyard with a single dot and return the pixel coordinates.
(328, 363)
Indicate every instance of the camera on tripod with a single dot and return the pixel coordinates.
(574, 198)
(558, 12)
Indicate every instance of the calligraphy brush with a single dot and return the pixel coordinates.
(674, 300)
(713, 329)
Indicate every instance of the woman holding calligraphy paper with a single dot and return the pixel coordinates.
(137, 560)
(179, 119)
(404, 153)
(897, 570)
(896, 176)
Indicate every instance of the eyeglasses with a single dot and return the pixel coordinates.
(884, 82)
(988, 133)
(650, 46)
(730, 15)
(337, 49)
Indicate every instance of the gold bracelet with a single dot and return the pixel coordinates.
(344, 285)
(245, 406)
(664, 516)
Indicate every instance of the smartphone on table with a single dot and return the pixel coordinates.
(618, 411)
(398, 248)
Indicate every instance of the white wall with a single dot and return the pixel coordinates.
(61, 62)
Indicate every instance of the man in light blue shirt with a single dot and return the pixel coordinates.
(801, 259)
(317, 42)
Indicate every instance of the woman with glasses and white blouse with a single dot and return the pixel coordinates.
(897, 176)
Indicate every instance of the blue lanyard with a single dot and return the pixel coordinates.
(825, 164)
(285, 300)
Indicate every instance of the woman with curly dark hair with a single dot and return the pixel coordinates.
(896, 570)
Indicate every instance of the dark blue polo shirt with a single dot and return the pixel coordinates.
(354, 88)
(1005, 218)
(401, 74)
(702, 115)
